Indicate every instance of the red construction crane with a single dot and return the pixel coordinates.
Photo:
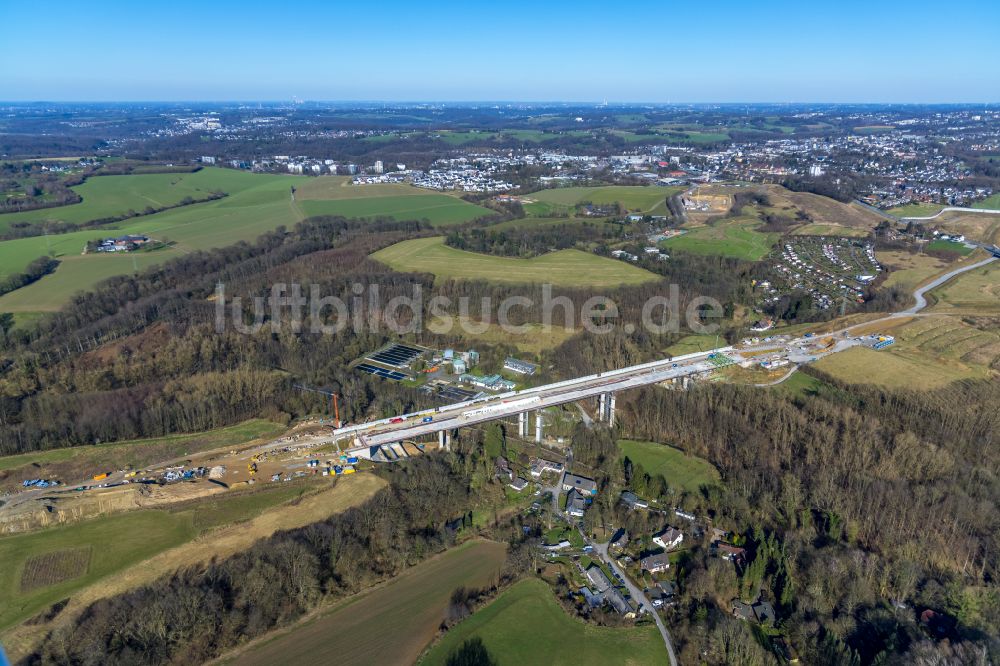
(334, 406)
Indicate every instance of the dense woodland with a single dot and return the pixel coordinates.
(141, 356)
(531, 241)
(847, 499)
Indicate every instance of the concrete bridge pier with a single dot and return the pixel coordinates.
(611, 411)
(441, 439)
(522, 425)
(538, 426)
(602, 406)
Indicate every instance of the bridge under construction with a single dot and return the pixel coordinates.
(444, 421)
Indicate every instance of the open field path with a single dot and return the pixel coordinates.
(220, 543)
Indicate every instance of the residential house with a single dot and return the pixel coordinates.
(742, 611)
(655, 563)
(501, 469)
(576, 504)
(618, 601)
(582, 484)
(518, 484)
(598, 579)
(633, 501)
(664, 593)
(540, 466)
(684, 514)
(669, 538)
(730, 552)
(764, 612)
(620, 539)
(592, 599)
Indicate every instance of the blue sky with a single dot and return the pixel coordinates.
(664, 51)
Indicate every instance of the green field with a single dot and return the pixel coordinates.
(526, 625)
(391, 624)
(564, 267)
(906, 365)
(799, 385)
(634, 198)
(439, 209)
(136, 454)
(815, 229)
(696, 137)
(992, 202)
(117, 542)
(682, 471)
(343, 187)
(694, 343)
(262, 206)
(257, 203)
(975, 292)
(948, 246)
(111, 196)
(728, 239)
(916, 210)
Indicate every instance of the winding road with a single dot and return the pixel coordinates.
(921, 301)
(601, 549)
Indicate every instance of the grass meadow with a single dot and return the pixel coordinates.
(526, 625)
(728, 238)
(111, 196)
(438, 209)
(390, 624)
(564, 267)
(688, 473)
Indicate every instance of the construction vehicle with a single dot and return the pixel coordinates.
(252, 468)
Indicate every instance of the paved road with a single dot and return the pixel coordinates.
(602, 551)
(919, 293)
(957, 209)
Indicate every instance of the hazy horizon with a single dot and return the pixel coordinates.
(774, 52)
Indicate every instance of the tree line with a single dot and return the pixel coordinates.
(200, 612)
(34, 271)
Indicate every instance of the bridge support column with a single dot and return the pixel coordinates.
(447, 440)
(602, 406)
(522, 425)
(441, 439)
(538, 426)
(611, 411)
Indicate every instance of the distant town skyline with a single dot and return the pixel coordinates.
(779, 51)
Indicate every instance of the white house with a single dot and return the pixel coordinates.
(668, 538)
